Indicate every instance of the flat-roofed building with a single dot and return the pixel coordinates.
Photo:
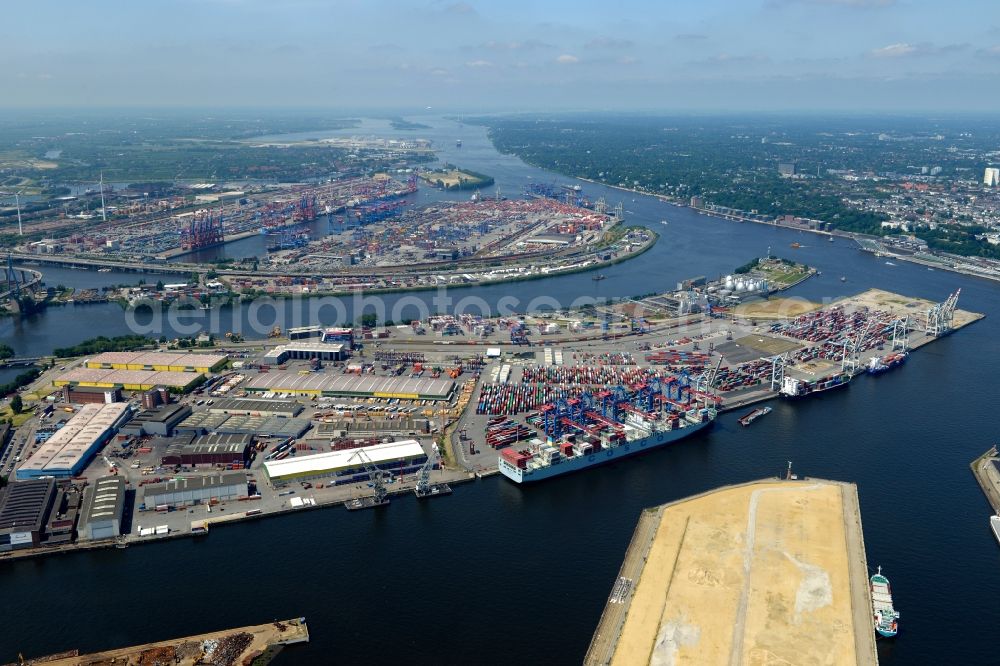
(103, 518)
(158, 361)
(160, 421)
(195, 490)
(218, 449)
(256, 407)
(68, 451)
(24, 510)
(305, 351)
(351, 386)
(129, 380)
(349, 465)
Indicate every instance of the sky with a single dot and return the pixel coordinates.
(504, 55)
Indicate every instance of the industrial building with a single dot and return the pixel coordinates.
(195, 490)
(68, 451)
(158, 361)
(351, 386)
(107, 505)
(269, 426)
(373, 428)
(201, 423)
(84, 395)
(344, 336)
(219, 449)
(305, 332)
(130, 380)
(160, 421)
(348, 466)
(24, 510)
(305, 351)
(256, 407)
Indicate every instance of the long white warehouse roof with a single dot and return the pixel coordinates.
(320, 463)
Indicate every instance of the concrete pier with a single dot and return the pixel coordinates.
(764, 572)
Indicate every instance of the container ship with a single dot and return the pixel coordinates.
(591, 430)
(886, 617)
(793, 388)
(878, 365)
(747, 419)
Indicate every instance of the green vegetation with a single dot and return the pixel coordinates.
(6, 351)
(16, 404)
(733, 162)
(102, 344)
(20, 380)
(402, 124)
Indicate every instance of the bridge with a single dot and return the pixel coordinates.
(16, 279)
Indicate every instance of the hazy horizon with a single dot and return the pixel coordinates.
(746, 56)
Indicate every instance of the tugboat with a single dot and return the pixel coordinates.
(458, 143)
(884, 615)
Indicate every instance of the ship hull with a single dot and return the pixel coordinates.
(577, 463)
(800, 396)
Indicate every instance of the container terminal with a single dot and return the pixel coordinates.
(129, 448)
(771, 571)
(256, 644)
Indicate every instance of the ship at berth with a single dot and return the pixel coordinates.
(610, 425)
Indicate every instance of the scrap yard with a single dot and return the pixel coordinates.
(233, 647)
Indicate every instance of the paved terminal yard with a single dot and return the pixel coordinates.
(231, 647)
(768, 572)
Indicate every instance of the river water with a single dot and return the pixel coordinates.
(498, 574)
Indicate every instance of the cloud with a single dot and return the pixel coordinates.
(609, 43)
(690, 37)
(462, 8)
(479, 63)
(990, 51)
(905, 49)
(567, 59)
(627, 60)
(728, 59)
(526, 45)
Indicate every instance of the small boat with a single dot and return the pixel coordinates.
(995, 526)
(458, 143)
(796, 246)
(843, 279)
(599, 276)
(664, 222)
(830, 239)
(747, 419)
(886, 617)
(104, 270)
(889, 263)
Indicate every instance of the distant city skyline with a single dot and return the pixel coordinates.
(770, 55)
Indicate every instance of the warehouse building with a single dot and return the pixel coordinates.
(343, 336)
(24, 510)
(304, 332)
(85, 395)
(374, 428)
(256, 407)
(195, 490)
(351, 386)
(347, 466)
(201, 423)
(68, 451)
(160, 421)
(272, 426)
(158, 361)
(216, 449)
(305, 351)
(130, 380)
(107, 505)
